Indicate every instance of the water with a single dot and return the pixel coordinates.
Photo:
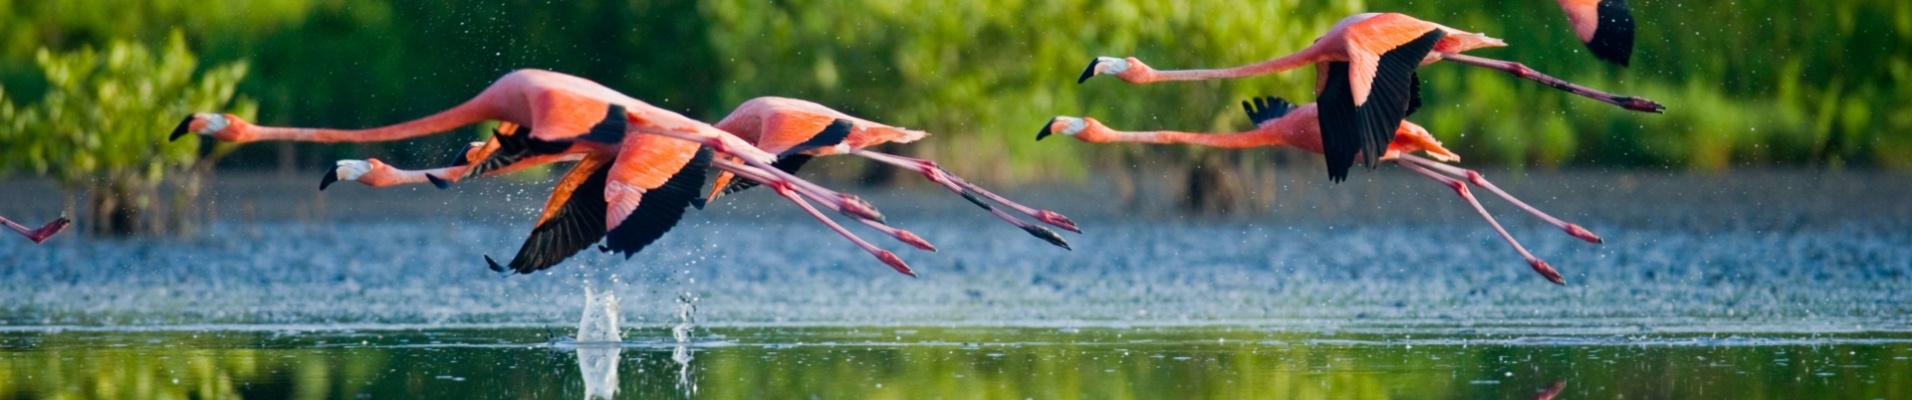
(1750, 285)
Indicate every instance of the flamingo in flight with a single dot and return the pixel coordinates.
(1280, 123)
(41, 234)
(1605, 26)
(776, 123)
(618, 172)
(508, 150)
(789, 126)
(1365, 78)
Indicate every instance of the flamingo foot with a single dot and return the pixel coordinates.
(1641, 104)
(1053, 218)
(1047, 235)
(39, 236)
(1546, 271)
(857, 207)
(894, 262)
(914, 241)
(1583, 234)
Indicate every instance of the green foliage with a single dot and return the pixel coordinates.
(109, 113)
(103, 122)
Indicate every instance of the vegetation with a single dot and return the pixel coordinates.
(101, 128)
(1754, 83)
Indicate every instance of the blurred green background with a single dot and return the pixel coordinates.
(1755, 83)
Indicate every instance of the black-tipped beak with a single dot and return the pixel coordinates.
(1089, 71)
(1045, 129)
(181, 130)
(331, 176)
(1048, 235)
(441, 183)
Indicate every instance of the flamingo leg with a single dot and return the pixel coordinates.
(954, 183)
(1634, 103)
(841, 202)
(887, 257)
(1460, 188)
(1475, 178)
(758, 175)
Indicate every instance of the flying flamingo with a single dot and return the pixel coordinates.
(790, 126)
(587, 118)
(776, 123)
(1365, 77)
(1605, 26)
(1279, 123)
(37, 235)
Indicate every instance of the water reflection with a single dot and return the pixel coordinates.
(917, 362)
(599, 345)
(681, 354)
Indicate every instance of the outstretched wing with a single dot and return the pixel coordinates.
(513, 147)
(643, 208)
(573, 219)
(1267, 109)
(1347, 129)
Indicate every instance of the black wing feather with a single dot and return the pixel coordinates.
(661, 208)
(1347, 130)
(513, 148)
(1613, 35)
(577, 224)
(1265, 109)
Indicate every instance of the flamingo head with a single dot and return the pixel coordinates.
(1067, 126)
(1128, 69)
(352, 170)
(223, 127)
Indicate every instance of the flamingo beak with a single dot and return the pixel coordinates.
(1047, 129)
(331, 176)
(1089, 71)
(184, 125)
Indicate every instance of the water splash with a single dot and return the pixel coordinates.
(599, 344)
(686, 320)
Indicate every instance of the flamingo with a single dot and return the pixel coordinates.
(1365, 78)
(789, 126)
(588, 119)
(1605, 26)
(777, 123)
(1280, 123)
(41, 234)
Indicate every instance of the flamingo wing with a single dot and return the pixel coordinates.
(512, 149)
(642, 207)
(1349, 127)
(570, 222)
(791, 160)
(1606, 26)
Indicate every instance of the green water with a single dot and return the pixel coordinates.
(950, 362)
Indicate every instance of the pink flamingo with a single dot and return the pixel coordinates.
(41, 234)
(1279, 123)
(591, 120)
(1365, 77)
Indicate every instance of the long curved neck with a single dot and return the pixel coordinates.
(1254, 138)
(1303, 58)
(474, 110)
(395, 176)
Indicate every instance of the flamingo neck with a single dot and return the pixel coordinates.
(1291, 61)
(478, 109)
(1254, 138)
